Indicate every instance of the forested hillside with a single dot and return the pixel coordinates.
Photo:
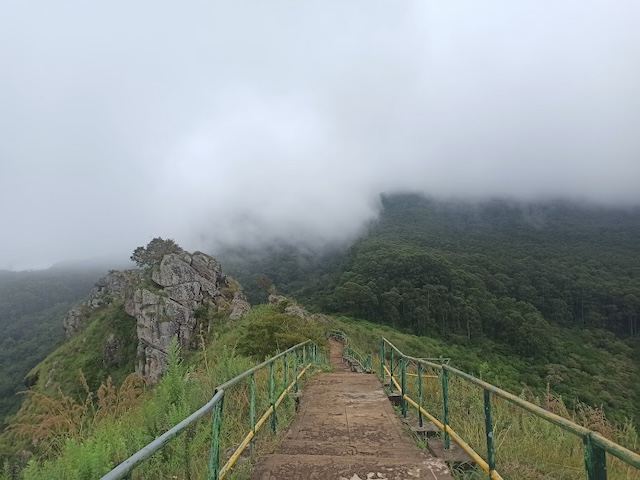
(547, 293)
(32, 305)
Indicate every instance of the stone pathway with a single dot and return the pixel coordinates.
(346, 429)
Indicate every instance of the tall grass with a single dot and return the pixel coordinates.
(527, 446)
(111, 434)
(107, 426)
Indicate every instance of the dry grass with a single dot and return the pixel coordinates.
(527, 446)
(49, 421)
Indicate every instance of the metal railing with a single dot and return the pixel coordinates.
(595, 445)
(350, 354)
(304, 356)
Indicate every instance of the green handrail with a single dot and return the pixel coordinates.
(596, 446)
(305, 355)
(350, 354)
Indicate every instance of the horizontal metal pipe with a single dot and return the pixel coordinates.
(243, 445)
(607, 445)
(530, 407)
(130, 463)
(245, 374)
(456, 438)
(552, 417)
(423, 376)
(616, 450)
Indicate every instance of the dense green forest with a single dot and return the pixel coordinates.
(546, 293)
(32, 306)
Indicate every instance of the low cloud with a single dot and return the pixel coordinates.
(244, 123)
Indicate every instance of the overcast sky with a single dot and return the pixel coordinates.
(239, 121)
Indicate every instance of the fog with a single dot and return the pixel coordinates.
(245, 122)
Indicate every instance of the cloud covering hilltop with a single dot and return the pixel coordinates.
(243, 121)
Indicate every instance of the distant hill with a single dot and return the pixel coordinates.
(523, 297)
(547, 293)
(32, 305)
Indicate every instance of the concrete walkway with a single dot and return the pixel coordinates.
(346, 429)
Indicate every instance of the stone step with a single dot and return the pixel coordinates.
(395, 398)
(279, 466)
(366, 447)
(428, 430)
(455, 456)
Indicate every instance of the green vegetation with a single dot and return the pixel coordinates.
(88, 433)
(32, 305)
(85, 352)
(528, 447)
(536, 294)
(541, 300)
(83, 431)
(152, 253)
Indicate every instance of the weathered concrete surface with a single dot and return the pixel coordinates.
(346, 429)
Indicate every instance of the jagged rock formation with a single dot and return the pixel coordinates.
(109, 288)
(180, 286)
(166, 302)
(110, 352)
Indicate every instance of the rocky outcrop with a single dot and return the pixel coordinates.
(166, 302)
(112, 287)
(75, 318)
(297, 311)
(239, 305)
(181, 285)
(276, 299)
(110, 357)
(292, 308)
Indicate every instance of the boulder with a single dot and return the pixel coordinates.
(239, 305)
(297, 311)
(74, 319)
(113, 286)
(110, 352)
(276, 299)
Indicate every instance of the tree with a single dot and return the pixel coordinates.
(154, 251)
(266, 284)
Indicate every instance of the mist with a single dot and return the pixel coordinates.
(218, 123)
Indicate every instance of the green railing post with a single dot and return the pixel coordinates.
(595, 460)
(445, 401)
(295, 370)
(382, 360)
(420, 420)
(491, 452)
(391, 370)
(304, 356)
(214, 455)
(252, 406)
(272, 397)
(286, 371)
(403, 384)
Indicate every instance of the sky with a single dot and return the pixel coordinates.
(219, 122)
